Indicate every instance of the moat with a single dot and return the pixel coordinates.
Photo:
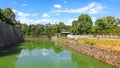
(46, 54)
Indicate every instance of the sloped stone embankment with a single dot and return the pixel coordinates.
(105, 55)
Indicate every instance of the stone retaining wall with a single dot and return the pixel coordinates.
(109, 56)
(94, 36)
(9, 34)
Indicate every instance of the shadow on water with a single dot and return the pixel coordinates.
(10, 50)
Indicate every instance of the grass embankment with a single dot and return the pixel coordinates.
(113, 44)
(63, 37)
(36, 37)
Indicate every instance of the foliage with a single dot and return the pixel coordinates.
(108, 25)
(49, 31)
(8, 13)
(83, 25)
(40, 29)
(8, 16)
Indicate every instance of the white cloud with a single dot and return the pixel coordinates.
(14, 10)
(23, 15)
(43, 20)
(24, 18)
(96, 9)
(91, 8)
(24, 53)
(93, 19)
(45, 15)
(35, 14)
(45, 53)
(57, 6)
(70, 21)
(24, 5)
(27, 21)
(33, 21)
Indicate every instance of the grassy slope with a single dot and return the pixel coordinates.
(112, 44)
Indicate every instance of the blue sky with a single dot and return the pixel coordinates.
(55, 11)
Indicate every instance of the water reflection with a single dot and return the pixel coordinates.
(44, 59)
(47, 54)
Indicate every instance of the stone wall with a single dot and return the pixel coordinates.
(9, 34)
(94, 36)
(109, 56)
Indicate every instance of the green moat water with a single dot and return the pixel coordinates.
(46, 54)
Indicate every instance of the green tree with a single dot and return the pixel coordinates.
(8, 16)
(75, 27)
(56, 28)
(8, 13)
(49, 31)
(83, 25)
(107, 25)
(101, 26)
(61, 26)
(109, 20)
(117, 22)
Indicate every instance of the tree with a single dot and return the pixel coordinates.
(107, 25)
(117, 22)
(56, 28)
(8, 13)
(101, 26)
(75, 27)
(49, 31)
(9, 16)
(110, 20)
(61, 26)
(83, 25)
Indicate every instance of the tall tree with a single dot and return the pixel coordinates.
(9, 14)
(61, 26)
(75, 27)
(109, 20)
(101, 26)
(83, 25)
(49, 31)
(117, 22)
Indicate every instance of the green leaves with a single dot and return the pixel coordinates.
(83, 25)
(8, 13)
(107, 26)
(8, 16)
